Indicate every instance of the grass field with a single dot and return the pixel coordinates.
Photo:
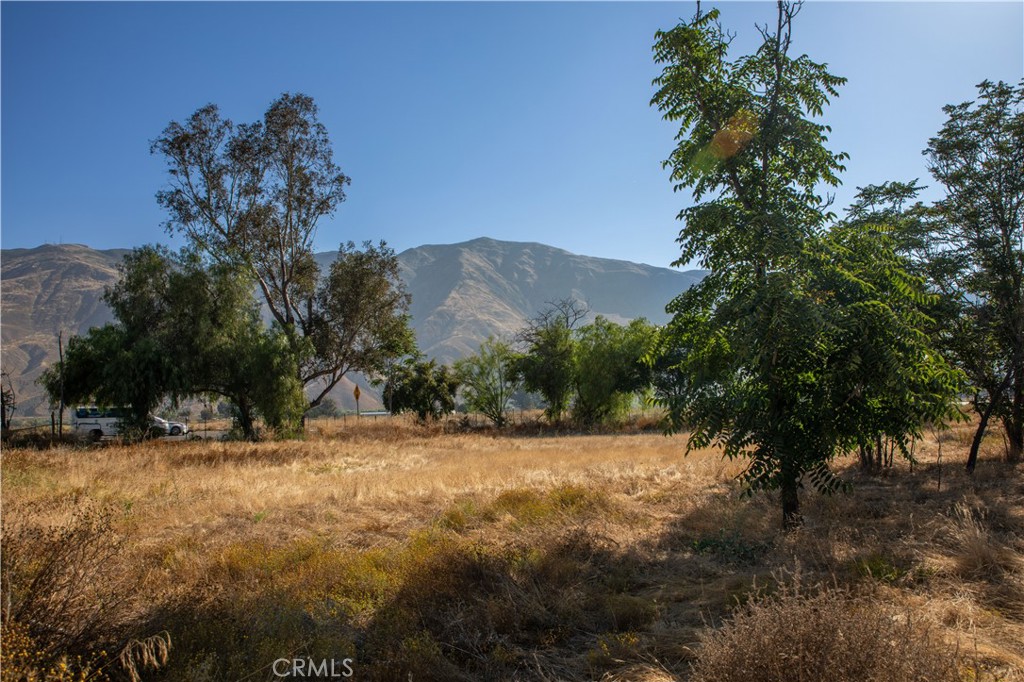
(419, 554)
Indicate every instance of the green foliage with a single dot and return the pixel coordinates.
(977, 257)
(489, 379)
(360, 317)
(126, 363)
(182, 330)
(610, 368)
(251, 195)
(548, 365)
(801, 342)
(731, 547)
(420, 386)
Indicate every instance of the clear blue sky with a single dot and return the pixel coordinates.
(518, 121)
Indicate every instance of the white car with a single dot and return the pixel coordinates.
(169, 428)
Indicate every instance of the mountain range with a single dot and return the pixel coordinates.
(461, 294)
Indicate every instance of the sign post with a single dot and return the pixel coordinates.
(355, 392)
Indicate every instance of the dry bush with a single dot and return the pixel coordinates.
(66, 597)
(980, 555)
(62, 582)
(830, 635)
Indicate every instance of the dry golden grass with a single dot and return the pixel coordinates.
(495, 556)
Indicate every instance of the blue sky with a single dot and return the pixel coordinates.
(519, 121)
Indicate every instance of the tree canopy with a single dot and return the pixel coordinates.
(977, 250)
(182, 329)
(770, 350)
(252, 195)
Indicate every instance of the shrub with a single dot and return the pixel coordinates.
(832, 635)
(66, 601)
(61, 582)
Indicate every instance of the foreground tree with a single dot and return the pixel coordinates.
(252, 195)
(978, 254)
(489, 379)
(760, 343)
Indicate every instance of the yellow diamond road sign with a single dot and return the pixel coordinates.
(355, 392)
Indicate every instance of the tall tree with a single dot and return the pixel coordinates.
(978, 156)
(253, 195)
(182, 330)
(758, 343)
(125, 363)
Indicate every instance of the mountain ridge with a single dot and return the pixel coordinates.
(461, 294)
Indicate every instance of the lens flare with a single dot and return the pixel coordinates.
(732, 138)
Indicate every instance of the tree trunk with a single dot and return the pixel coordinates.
(1014, 420)
(994, 396)
(979, 434)
(1015, 436)
(791, 517)
(245, 420)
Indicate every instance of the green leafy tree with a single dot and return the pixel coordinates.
(884, 375)
(420, 386)
(887, 231)
(978, 251)
(125, 364)
(761, 341)
(183, 330)
(252, 195)
(610, 368)
(489, 380)
(359, 318)
(548, 365)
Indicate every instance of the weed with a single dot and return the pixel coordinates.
(829, 635)
(880, 568)
(731, 547)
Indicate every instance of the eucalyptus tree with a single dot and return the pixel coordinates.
(761, 346)
(253, 195)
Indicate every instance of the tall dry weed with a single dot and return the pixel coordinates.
(830, 635)
(980, 554)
